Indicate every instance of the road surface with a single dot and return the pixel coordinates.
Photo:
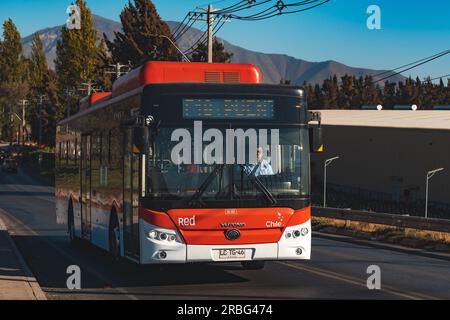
(338, 270)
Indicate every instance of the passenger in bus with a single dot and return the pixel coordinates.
(264, 167)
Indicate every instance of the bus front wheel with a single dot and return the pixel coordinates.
(253, 265)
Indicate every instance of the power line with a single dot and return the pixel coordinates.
(414, 66)
(409, 64)
(203, 39)
(192, 19)
(243, 5)
(444, 76)
(280, 8)
(276, 8)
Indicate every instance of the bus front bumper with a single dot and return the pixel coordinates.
(164, 252)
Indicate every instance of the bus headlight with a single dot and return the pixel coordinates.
(162, 236)
(304, 231)
(153, 234)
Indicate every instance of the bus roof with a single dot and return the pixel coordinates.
(158, 72)
(176, 72)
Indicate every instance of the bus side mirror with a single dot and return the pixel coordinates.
(141, 139)
(315, 139)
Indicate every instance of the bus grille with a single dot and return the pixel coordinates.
(231, 77)
(211, 76)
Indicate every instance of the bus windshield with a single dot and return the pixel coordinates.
(273, 171)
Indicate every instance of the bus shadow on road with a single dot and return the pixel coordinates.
(50, 256)
(169, 275)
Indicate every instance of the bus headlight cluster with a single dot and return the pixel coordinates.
(297, 233)
(161, 236)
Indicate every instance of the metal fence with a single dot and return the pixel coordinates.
(430, 224)
(371, 201)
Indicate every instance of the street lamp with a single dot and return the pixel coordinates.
(327, 163)
(430, 174)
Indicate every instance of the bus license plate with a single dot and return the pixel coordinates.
(229, 254)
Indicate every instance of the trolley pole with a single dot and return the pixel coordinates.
(210, 33)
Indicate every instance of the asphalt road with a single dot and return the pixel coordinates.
(337, 269)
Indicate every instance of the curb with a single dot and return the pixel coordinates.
(29, 278)
(381, 245)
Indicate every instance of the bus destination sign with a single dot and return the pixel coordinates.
(228, 109)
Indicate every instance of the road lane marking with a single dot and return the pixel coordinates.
(357, 282)
(65, 254)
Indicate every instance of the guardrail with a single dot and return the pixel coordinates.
(430, 224)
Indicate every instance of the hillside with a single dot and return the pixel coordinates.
(274, 67)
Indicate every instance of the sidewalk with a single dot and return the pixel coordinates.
(16, 280)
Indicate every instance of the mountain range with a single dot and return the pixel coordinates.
(274, 67)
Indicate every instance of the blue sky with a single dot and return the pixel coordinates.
(410, 29)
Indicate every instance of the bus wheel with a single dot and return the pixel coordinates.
(114, 241)
(253, 265)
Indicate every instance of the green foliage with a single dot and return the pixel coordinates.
(200, 53)
(105, 61)
(13, 76)
(139, 42)
(77, 56)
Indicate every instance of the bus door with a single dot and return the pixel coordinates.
(131, 197)
(86, 186)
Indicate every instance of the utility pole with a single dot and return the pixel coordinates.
(211, 14)
(90, 87)
(23, 103)
(42, 98)
(210, 21)
(117, 69)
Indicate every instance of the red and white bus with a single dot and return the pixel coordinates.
(120, 183)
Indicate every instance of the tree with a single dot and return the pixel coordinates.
(330, 90)
(77, 57)
(13, 76)
(104, 80)
(46, 108)
(370, 92)
(140, 40)
(200, 53)
(38, 65)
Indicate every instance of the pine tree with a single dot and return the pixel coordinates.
(38, 65)
(46, 109)
(140, 40)
(370, 92)
(389, 95)
(77, 57)
(104, 80)
(310, 97)
(13, 75)
(330, 90)
(200, 53)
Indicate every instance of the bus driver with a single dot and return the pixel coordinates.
(263, 165)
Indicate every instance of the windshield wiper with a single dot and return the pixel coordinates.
(205, 185)
(259, 185)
